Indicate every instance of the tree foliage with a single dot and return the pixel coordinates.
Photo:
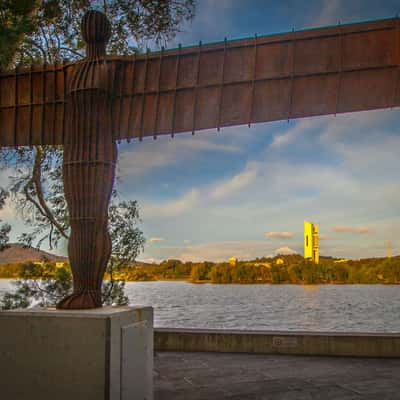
(294, 269)
(4, 228)
(49, 30)
(37, 193)
(45, 284)
(17, 22)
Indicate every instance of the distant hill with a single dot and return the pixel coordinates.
(17, 253)
(142, 264)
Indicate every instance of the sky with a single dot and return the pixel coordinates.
(245, 192)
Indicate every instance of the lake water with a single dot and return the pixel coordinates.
(345, 308)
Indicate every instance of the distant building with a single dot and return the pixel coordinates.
(279, 261)
(311, 246)
(232, 260)
(58, 263)
(262, 264)
(388, 249)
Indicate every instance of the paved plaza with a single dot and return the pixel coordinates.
(195, 376)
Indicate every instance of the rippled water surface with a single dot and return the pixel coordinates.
(357, 308)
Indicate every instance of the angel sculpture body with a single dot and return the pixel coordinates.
(90, 154)
(89, 105)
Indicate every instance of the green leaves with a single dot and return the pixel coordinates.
(49, 30)
(127, 239)
(51, 10)
(45, 284)
(16, 21)
(4, 228)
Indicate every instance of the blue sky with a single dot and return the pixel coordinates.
(246, 192)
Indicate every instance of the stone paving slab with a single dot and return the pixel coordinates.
(233, 376)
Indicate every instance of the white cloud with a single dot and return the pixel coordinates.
(280, 235)
(285, 250)
(8, 211)
(301, 128)
(356, 126)
(171, 208)
(150, 260)
(136, 163)
(220, 251)
(329, 14)
(234, 184)
(215, 192)
(352, 229)
(156, 240)
(143, 157)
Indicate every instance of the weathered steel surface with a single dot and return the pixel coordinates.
(293, 75)
(32, 105)
(313, 72)
(89, 161)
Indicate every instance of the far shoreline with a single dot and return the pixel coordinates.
(244, 283)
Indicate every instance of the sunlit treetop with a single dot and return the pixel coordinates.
(49, 30)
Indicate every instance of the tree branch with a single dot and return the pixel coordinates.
(37, 182)
(72, 51)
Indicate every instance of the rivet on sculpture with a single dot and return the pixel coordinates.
(89, 105)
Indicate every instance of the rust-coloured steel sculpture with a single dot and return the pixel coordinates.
(88, 105)
(90, 154)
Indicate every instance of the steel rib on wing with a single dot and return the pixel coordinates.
(313, 72)
(32, 105)
(293, 75)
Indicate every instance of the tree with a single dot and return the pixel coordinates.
(391, 269)
(45, 284)
(17, 21)
(221, 273)
(279, 274)
(200, 272)
(40, 283)
(48, 31)
(4, 228)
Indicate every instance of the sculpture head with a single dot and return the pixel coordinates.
(96, 32)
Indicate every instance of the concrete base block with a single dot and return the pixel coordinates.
(100, 354)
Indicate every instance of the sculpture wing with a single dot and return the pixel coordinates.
(299, 74)
(32, 105)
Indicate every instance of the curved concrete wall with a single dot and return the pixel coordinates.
(295, 343)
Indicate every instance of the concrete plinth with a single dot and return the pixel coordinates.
(100, 354)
